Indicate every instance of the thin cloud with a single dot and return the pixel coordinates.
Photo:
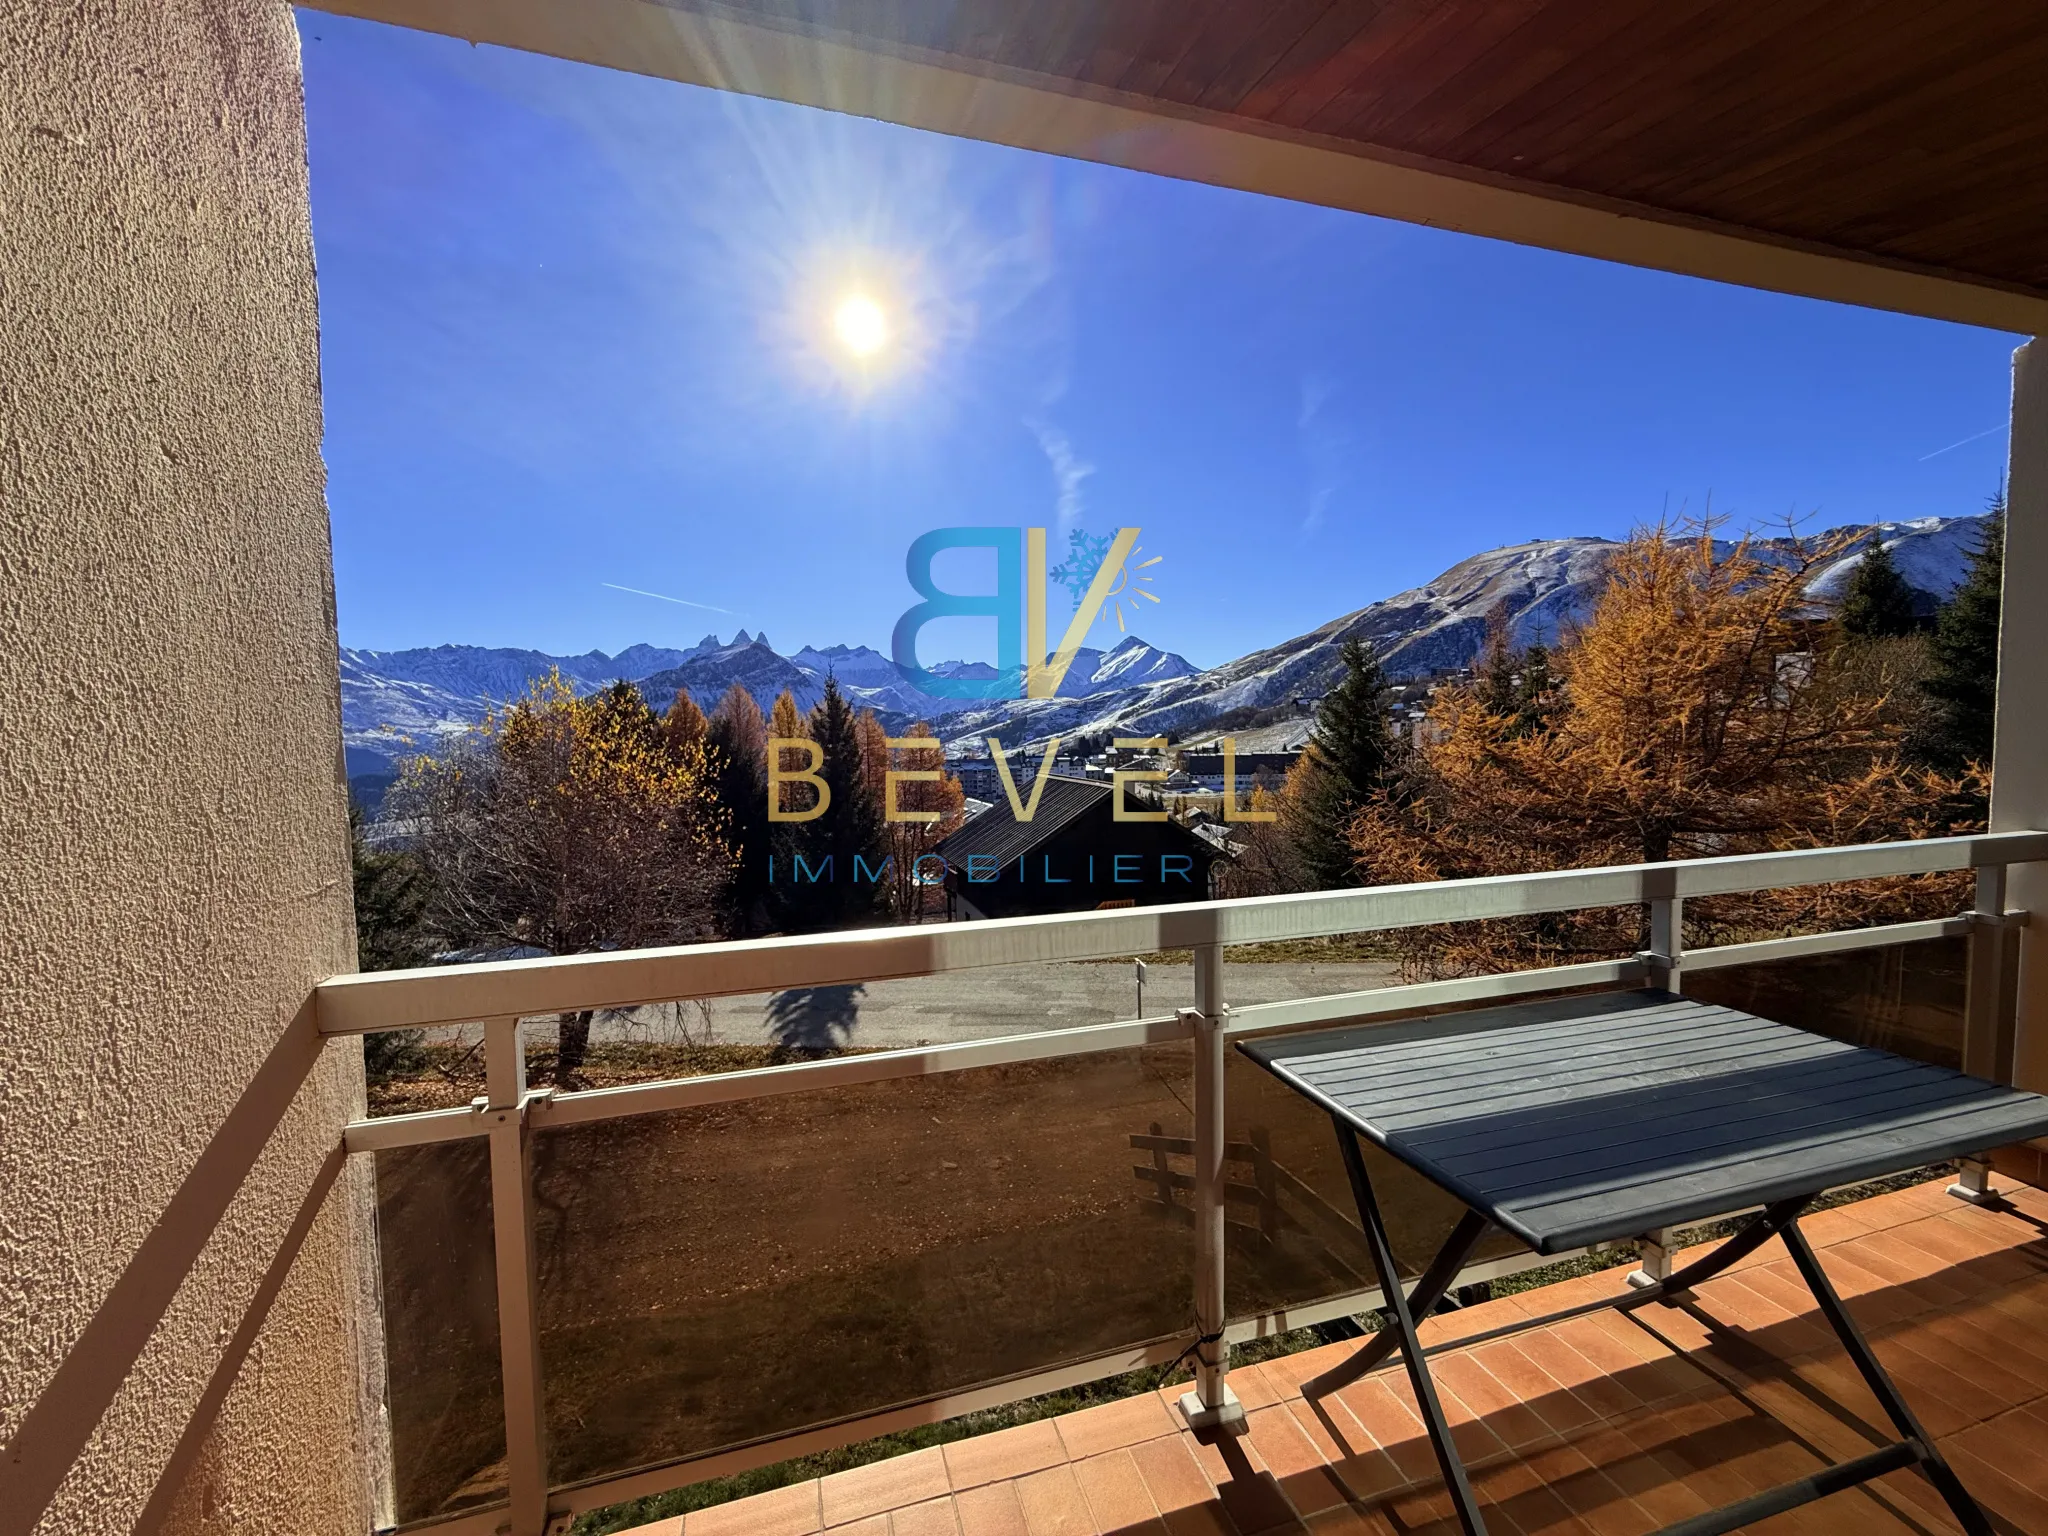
(1068, 469)
(1972, 438)
(683, 601)
(1326, 447)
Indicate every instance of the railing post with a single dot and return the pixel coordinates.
(1989, 1009)
(1211, 1409)
(1667, 943)
(526, 1458)
(1655, 1250)
(1665, 960)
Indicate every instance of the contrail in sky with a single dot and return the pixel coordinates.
(637, 592)
(1951, 448)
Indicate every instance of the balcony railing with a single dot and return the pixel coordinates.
(585, 1289)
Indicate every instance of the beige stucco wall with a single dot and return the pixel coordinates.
(175, 869)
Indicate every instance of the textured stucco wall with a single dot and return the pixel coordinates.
(175, 867)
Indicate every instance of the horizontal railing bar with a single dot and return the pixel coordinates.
(421, 1129)
(844, 1071)
(487, 1520)
(1864, 861)
(458, 994)
(1841, 941)
(427, 1127)
(554, 1110)
(1272, 1018)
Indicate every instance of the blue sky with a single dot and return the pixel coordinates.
(576, 335)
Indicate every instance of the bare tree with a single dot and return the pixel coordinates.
(571, 825)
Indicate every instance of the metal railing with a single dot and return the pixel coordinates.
(499, 995)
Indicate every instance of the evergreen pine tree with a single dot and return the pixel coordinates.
(788, 903)
(851, 827)
(1964, 650)
(1878, 604)
(1497, 687)
(737, 737)
(1533, 696)
(1345, 764)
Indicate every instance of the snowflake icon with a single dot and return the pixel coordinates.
(1085, 554)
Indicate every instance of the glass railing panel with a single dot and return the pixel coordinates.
(718, 1275)
(446, 1402)
(1294, 1236)
(1904, 998)
(1302, 968)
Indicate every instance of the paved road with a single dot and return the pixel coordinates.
(970, 1005)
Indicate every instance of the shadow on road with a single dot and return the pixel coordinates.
(815, 1018)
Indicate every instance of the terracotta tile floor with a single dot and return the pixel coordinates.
(1606, 1424)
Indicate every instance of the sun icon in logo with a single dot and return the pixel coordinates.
(1131, 583)
(1085, 554)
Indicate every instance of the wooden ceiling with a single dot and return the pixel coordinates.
(1909, 131)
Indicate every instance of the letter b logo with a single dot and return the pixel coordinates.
(1005, 605)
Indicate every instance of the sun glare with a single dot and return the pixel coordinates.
(861, 326)
(864, 324)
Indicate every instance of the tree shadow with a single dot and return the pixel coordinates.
(815, 1018)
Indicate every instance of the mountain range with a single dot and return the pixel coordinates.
(396, 703)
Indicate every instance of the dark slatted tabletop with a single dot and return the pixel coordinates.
(1580, 1120)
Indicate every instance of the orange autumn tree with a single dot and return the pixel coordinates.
(1704, 707)
(572, 824)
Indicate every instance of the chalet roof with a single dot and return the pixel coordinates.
(999, 833)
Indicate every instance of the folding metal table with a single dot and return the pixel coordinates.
(1588, 1119)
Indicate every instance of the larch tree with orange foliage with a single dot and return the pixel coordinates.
(1699, 710)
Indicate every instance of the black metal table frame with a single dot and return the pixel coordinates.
(1779, 1219)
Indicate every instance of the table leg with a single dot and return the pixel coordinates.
(1938, 1471)
(1429, 1290)
(1455, 1481)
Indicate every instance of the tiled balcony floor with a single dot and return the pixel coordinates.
(1606, 1424)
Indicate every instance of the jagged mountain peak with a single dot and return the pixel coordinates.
(1541, 585)
(398, 702)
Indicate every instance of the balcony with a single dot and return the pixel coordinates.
(1608, 1424)
(597, 1296)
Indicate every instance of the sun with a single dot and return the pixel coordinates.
(860, 325)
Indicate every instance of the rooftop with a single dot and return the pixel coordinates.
(1606, 1424)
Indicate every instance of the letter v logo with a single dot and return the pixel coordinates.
(1042, 677)
(1019, 808)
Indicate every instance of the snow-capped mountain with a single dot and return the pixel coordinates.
(1437, 627)
(398, 703)
(395, 703)
(1932, 554)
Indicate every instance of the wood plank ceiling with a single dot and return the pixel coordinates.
(1914, 131)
